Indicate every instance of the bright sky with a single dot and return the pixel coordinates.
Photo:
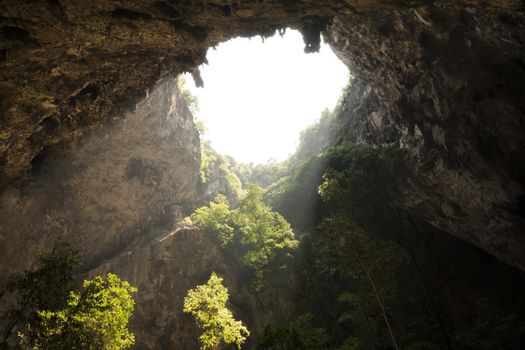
(258, 97)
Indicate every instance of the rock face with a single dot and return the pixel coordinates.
(447, 85)
(107, 188)
(164, 268)
(69, 65)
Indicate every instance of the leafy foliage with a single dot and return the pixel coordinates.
(262, 175)
(353, 255)
(214, 169)
(207, 303)
(94, 318)
(54, 314)
(264, 231)
(217, 217)
(261, 232)
(299, 334)
(341, 200)
(296, 197)
(370, 266)
(362, 184)
(44, 288)
(360, 228)
(492, 329)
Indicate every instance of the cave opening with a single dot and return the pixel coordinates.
(259, 95)
(440, 235)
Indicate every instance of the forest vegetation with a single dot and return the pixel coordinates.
(332, 222)
(54, 311)
(207, 303)
(322, 228)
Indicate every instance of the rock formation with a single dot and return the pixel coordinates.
(164, 267)
(96, 143)
(448, 76)
(109, 187)
(448, 87)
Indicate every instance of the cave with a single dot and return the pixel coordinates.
(98, 144)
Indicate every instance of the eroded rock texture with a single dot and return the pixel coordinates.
(69, 65)
(448, 85)
(107, 188)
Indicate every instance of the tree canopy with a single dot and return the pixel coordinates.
(262, 232)
(53, 313)
(95, 318)
(299, 334)
(217, 217)
(207, 303)
(44, 288)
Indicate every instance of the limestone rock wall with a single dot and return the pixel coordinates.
(448, 76)
(69, 65)
(109, 187)
(448, 86)
(442, 79)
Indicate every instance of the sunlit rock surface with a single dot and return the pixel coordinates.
(163, 268)
(109, 187)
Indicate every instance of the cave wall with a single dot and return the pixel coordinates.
(66, 66)
(69, 65)
(108, 188)
(442, 79)
(116, 193)
(448, 86)
(449, 77)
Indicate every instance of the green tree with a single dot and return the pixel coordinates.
(360, 228)
(215, 173)
(207, 303)
(299, 334)
(44, 288)
(95, 318)
(371, 265)
(265, 232)
(492, 329)
(259, 233)
(216, 217)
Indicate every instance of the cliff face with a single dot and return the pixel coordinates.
(66, 65)
(115, 193)
(109, 187)
(447, 85)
